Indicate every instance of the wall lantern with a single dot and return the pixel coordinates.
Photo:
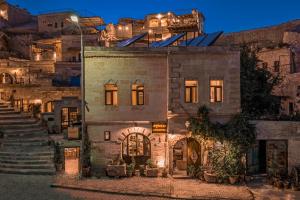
(187, 124)
(106, 135)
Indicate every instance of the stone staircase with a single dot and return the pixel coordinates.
(24, 148)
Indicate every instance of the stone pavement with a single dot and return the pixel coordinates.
(33, 187)
(157, 187)
(262, 191)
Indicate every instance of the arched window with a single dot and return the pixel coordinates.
(111, 94)
(6, 78)
(137, 94)
(137, 146)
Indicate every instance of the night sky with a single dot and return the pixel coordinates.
(226, 15)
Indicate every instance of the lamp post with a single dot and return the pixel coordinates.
(75, 20)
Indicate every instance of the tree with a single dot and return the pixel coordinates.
(257, 84)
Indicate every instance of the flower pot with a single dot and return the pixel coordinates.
(233, 179)
(116, 170)
(152, 172)
(210, 178)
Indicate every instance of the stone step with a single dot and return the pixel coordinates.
(27, 166)
(27, 158)
(28, 171)
(18, 121)
(4, 113)
(20, 126)
(48, 152)
(25, 131)
(25, 144)
(6, 109)
(26, 162)
(14, 116)
(28, 139)
(26, 135)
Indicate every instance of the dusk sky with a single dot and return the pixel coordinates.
(226, 15)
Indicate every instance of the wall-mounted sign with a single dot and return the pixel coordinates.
(73, 133)
(159, 127)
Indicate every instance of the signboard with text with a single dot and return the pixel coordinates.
(159, 127)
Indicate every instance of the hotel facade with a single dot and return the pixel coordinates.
(140, 100)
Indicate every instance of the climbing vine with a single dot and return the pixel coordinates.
(235, 137)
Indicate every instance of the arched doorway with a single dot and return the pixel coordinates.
(186, 152)
(6, 78)
(138, 146)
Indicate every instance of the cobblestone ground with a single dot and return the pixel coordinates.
(168, 186)
(18, 187)
(267, 192)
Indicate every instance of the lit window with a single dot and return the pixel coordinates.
(191, 91)
(153, 23)
(216, 91)
(111, 94)
(276, 66)
(137, 94)
(164, 22)
(49, 106)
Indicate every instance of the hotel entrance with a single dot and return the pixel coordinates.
(186, 152)
(72, 158)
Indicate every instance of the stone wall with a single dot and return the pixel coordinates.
(282, 130)
(265, 36)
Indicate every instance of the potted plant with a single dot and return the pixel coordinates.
(164, 173)
(86, 165)
(151, 169)
(131, 167)
(116, 168)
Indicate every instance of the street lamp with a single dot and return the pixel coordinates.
(75, 20)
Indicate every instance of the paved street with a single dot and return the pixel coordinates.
(19, 187)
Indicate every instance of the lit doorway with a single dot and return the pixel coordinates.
(72, 157)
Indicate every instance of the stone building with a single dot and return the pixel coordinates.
(160, 26)
(140, 99)
(11, 15)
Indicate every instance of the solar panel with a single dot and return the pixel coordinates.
(171, 40)
(186, 43)
(197, 41)
(168, 41)
(132, 40)
(210, 39)
(154, 44)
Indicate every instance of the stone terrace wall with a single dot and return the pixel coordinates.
(267, 35)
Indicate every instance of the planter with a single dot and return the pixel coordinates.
(210, 178)
(86, 171)
(116, 170)
(151, 172)
(233, 179)
(59, 167)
